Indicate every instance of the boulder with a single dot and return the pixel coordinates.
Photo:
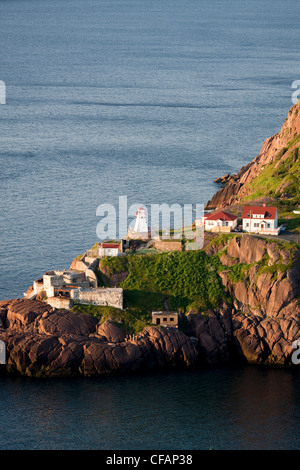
(65, 322)
(111, 332)
(21, 313)
(247, 249)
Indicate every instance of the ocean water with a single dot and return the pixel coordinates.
(153, 100)
(222, 408)
(149, 99)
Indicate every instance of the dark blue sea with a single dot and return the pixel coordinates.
(151, 99)
(224, 408)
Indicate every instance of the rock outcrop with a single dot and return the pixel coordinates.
(44, 342)
(268, 288)
(236, 187)
(257, 322)
(264, 320)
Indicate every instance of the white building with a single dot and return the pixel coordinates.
(108, 249)
(62, 289)
(219, 222)
(141, 224)
(261, 219)
(140, 229)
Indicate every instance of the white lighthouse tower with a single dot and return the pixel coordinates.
(140, 229)
(141, 224)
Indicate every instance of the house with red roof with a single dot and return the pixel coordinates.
(261, 219)
(219, 222)
(108, 249)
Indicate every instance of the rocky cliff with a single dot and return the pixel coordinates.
(255, 285)
(44, 342)
(274, 173)
(258, 323)
(263, 321)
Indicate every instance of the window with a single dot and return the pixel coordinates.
(247, 224)
(165, 319)
(171, 319)
(256, 225)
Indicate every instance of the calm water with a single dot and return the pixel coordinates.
(153, 100)
(235, 408)
(150, 99)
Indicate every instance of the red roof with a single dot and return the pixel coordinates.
(109, 245)
(267, 212)
(220, 216)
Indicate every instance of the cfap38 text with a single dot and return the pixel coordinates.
(155, 459)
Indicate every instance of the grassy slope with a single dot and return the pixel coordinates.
(127, 320)
(183, 279)
(287, 172)
(280, 177)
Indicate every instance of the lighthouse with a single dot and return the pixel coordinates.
(141, 225)
(140, 229)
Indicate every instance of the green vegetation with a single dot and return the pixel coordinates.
(291, 220)
(115, 264)
(221, 239)
(94, 250)
(280, 178)
(181, 279)
(127, 320)
(281, 265)
(240, 272)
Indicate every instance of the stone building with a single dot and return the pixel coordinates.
(167, 319)
(105, 296)
(64, 288)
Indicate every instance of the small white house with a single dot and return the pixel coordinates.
(219, 222)
(108, 249)
(261, 219)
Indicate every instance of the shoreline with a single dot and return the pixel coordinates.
(243, 307)
(45, 342)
